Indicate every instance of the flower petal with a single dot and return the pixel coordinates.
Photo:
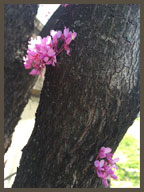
(35, 72)
(96, 163)
(107, 150)
(66, 31)
(101, 163)
(105, 182)
(51, 52)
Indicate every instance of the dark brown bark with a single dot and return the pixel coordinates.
(87, 101)
(18, 28)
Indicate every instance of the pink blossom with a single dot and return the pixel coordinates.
(43, 51)
(37, 48)
(99, 165)
(51, 52)
(52, 61)
(110, 160)
(68, 36)
(105, 182)
(110, 172)
(106, 165)
(35, 72)
(55, 35)
(66, 47)
(104, 151)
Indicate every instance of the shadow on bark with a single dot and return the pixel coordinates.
(18, 28)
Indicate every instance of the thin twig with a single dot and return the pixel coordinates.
(8, 177)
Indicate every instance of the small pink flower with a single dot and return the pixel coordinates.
(51, 61)
(35, 72)
(68, 36)
(99, 164)
(46, 59)
(105, 182)
(66, 47)
(51, 52)
(110, 160)
(66, 32)
(56, 34)
(103, 151)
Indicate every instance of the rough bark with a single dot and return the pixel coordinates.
(18, 28)
(87, 101)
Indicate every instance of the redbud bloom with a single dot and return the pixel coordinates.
(68, 36)
(37, 50)
(56, 35)
(99, 165)
(43, 51)
(104, 168)
(35, 72)
(105, 182)
(103, 151)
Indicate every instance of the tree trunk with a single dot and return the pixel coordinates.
(87, 101)
(18, 28)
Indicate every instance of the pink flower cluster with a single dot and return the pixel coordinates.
(43, 51)
(105, 166)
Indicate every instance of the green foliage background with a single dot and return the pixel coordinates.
(129, 164)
